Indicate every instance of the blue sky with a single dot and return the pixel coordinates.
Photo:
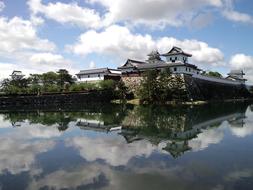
(44, 35)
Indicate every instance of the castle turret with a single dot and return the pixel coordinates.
(176, 54)
(236, 75)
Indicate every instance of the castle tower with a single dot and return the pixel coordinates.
(176, 54)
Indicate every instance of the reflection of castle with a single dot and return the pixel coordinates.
(177, 137)
(171, 129)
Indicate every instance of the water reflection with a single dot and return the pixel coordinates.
(205, 147)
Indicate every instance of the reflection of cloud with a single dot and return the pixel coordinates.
(114, 150)
(89, 176)
(237, 175)
(18, 156)
(38, 131)
(19, 146)
(207, 137)
(3, 122)
(247, 128)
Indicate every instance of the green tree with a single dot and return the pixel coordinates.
(64, 78)
(149, 86)
(122, 90)
(164, 90)
(214, 74)
(107, 85)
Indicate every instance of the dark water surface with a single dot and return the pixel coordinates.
(207, 147)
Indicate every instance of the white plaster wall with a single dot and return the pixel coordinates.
(92, 77)
(179, 58)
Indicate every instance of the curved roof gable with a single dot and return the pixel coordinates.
(176, 51)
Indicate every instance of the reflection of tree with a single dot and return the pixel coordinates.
(45, 118)
(177, 148)
(108, 114)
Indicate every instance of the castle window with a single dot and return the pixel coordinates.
(175, 58)
(88, 76)
(175, 69)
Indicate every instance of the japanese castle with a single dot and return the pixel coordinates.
(176, 60)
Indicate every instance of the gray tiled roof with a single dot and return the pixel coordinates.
(159, 64)
(176, 51)
(96, 71)
(93, 71)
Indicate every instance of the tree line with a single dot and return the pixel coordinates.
(54, 82)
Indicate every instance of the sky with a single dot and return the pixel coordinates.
(47, 35)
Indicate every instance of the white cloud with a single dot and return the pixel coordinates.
(17, 34)
(67, 13)
(114, 40)
(18, 156)
(48, 58)
(92, 65)
(233, 15)
(114, 150)
(238, 17)
(154, 12)
(23, 49)
(70, 179)
(119, 41)
(241, 61)
(206, 138)
(244, 126)
(2, 5)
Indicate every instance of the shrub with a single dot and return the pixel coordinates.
(107, 84)
(83, 87)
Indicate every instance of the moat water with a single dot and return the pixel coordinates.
(152, 147)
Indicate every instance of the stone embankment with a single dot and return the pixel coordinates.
(193, 89)
(56, 99)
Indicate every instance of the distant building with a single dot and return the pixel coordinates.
(16, 75)
(236, 75)
(176, 60)
(91, 75)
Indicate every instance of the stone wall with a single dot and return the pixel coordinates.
(176, 83)
(132, 83)
(56, 99)
(186, 88)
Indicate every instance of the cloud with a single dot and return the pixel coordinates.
(20, 146)
(48, 58)
(19, 156)
(206, 138)
(72, 179)
(243, 62)
(17, 34)
(66, 13)
(23, 49)
(92, 65)
(238, 17)
(229, 13)
(119, 41)
(2, 5)
(244, 126)
(153, 12)
(113, 150)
